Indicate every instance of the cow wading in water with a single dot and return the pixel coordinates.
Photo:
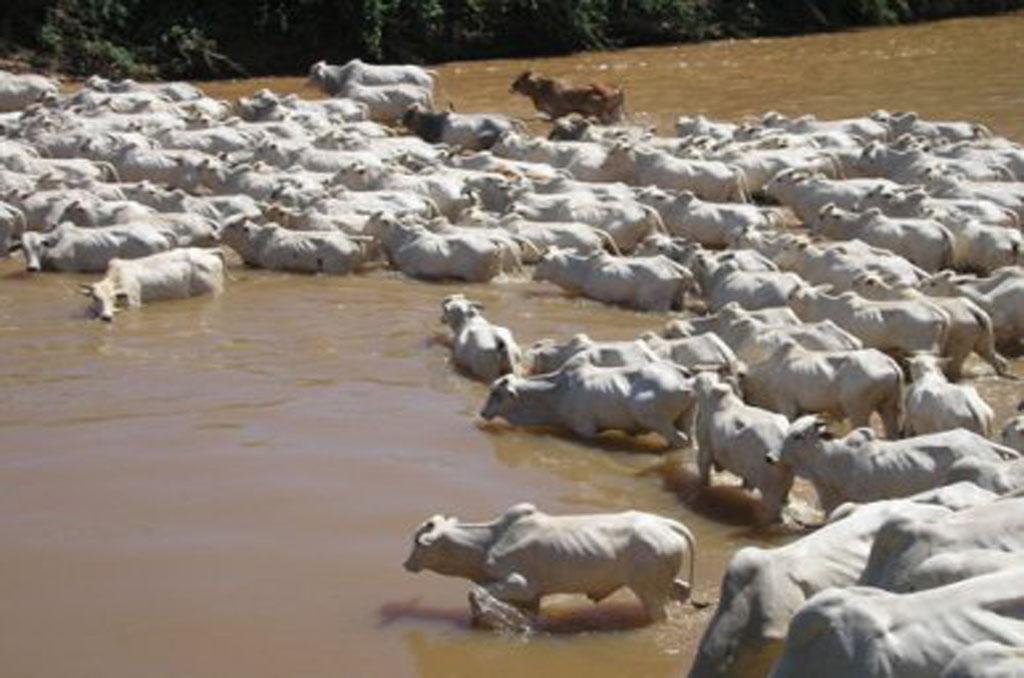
(557, 98)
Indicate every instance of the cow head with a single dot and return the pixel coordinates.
(456, 309)
(502, 396)
(547, 356)
(106, 297)
(34, 247)
(925, 364)
(318, 72)
(412, 116)
(802, 445)
(523, 84)
(429, 546)
(552, 263)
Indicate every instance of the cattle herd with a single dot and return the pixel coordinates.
(832, 270)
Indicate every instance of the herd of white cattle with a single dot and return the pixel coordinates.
(841, 268)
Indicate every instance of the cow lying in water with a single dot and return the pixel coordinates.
(557, 98)
(483, 349)
(525, 554)
(177, 274)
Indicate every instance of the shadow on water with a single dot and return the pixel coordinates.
(607, 442)
(722, 504)
(412, 609)
(570, 616)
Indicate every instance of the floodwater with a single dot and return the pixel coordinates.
(228, 486)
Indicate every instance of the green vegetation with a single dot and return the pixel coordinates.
(211, 38)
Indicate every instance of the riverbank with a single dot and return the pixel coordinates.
(191, 39)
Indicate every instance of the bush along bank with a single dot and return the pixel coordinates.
(202, 39)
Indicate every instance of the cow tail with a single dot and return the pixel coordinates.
(657, 223)
(609, 241)
(21, 222)
(109, 170)
(950, 248)
(506, 361)
(742, 192)
(525, 244)
(684, 591)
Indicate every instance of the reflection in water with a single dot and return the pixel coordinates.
(226, 487)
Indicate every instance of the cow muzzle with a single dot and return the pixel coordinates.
(411, 565)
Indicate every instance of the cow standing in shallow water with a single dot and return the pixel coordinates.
(557, 98)
(525, 555)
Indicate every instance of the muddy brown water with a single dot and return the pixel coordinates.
(227, 487)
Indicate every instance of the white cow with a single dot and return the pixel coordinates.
(12, 225)
(726, 316)
(333, 80)
(727, 283)
(924, 242)
(737, 437)
(446, 192)
(932, 404)
(838, 264)
(1013, 431)
(387, 103)
(587, 400)
(627, 221)
(905, 545)
(862, 631)
(546, 355)
(710, 224)
(753, 341)
(860, 467)
(709, 180)
(20, 91)
(980, 247)
(703, 352)
(807, 193)
(177, 274)
(844, 384)
(902, 326)
(525, 554)
(1006, 194)
(1001, 295)
(420, 253)
(649, 283)
(909, 123)
(986, 659)
(544, 235)
(481, 348)
(89, 250)
(272, 247)
(916, 202)
(970, 327)
(763, 588)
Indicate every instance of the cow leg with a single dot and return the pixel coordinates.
(586, 429)
(704, 464)
(986, 348)
(517, 590)
(955, 366)
(655, 603)
(648, 413)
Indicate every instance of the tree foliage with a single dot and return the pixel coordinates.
(201, 38)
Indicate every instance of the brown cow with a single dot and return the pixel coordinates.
(557, 98)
